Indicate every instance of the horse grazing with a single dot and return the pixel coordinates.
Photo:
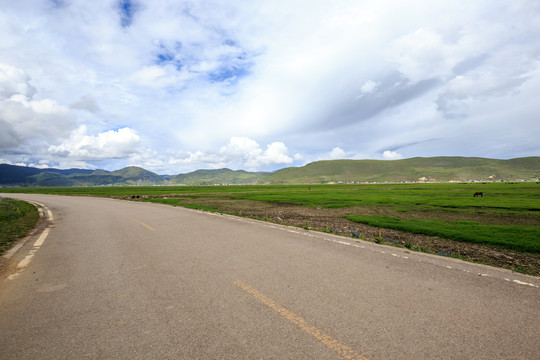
(478, 193)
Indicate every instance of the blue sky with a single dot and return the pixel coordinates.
(175, 86)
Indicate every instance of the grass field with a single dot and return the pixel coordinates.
(16, 219)
(506, 217)
(506, 196)
(520, 238)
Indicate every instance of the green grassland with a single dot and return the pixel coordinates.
(507, 216)
(16, 219)
(519, 238)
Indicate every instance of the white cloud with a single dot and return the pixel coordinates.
(369, 86)
(391, 155)
(241, 147)
(14, 81)
(112, 144)
(87, 103)
(25, 121)
(248, 153)
(276, 153)
(238, 153)
(336, 153)
(423, 55)
(159, 77)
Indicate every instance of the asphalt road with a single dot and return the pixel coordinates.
(127, 280)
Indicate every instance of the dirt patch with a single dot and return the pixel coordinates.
(334, 221)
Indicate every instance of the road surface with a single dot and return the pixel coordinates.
(112, 279)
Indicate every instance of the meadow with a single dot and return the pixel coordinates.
(506, 218)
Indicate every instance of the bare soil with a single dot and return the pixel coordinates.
(334, 221)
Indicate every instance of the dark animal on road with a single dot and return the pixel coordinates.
(478, 193)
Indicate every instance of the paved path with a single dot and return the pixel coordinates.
(124, 280)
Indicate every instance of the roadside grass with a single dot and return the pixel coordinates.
(519, 238)
(16, 219)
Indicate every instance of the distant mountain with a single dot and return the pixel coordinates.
(11, 175)
(219, 177)
(440, 169)
(137, 174)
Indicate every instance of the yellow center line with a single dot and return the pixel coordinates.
(143, 224)
(331, 343)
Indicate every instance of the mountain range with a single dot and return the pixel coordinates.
(436, 169)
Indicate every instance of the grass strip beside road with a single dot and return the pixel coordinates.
(520, 238)
(16, 219)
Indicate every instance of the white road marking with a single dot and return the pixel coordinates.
(524, 283)
(37, 245)
(24, 262)
(41, 238)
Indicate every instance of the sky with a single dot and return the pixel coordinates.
(174, 86)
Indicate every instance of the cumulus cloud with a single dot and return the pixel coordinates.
(249, 153)
(238, 153)
(14, 81)
(336, 153)
(23, 120)
(391, 155)
(112, 144)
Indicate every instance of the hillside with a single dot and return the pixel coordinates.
(220, 176)
(440, 169)
(11, 175)
(414, 169)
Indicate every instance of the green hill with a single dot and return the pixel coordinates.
(414, 169)
(11, 175)
(218, 177)
(439, 169)
(136, 175)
